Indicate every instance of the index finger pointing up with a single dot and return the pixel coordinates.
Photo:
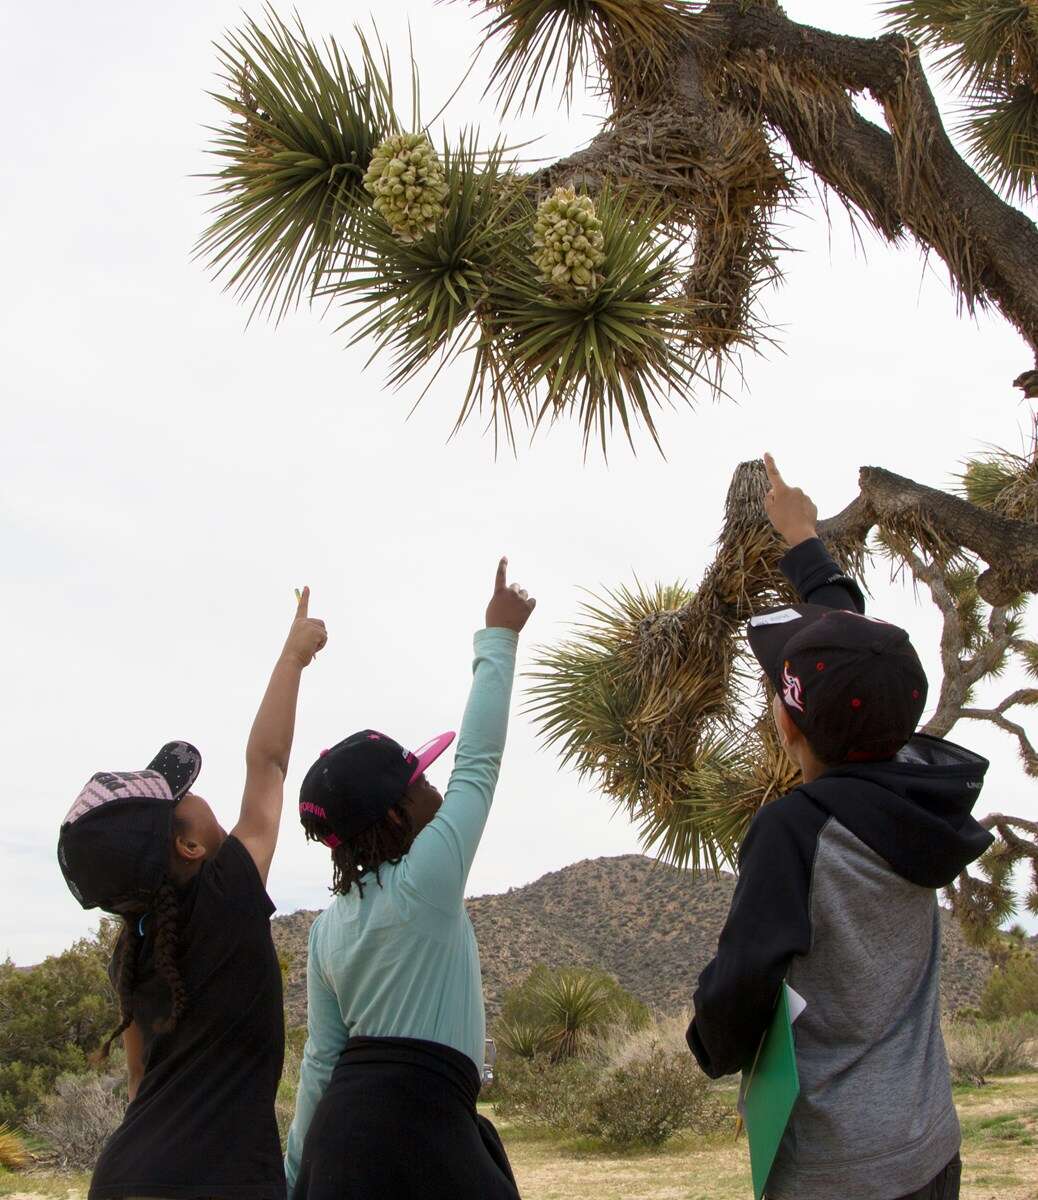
(501, 581)
(303, 607)
(774, 477)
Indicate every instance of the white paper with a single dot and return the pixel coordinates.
(777, 618)
(797, 1004)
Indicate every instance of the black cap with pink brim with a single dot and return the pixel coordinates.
(353, 785)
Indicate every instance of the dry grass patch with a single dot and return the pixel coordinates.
(1000, 1155)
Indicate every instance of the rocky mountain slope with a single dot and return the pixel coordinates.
(653, 927)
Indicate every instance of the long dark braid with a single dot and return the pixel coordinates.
(127, 949)
(166, 915)
(385, 842)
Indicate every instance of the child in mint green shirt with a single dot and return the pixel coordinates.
(396, 1023)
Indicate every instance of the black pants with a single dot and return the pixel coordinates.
(944, 1187)
(399, 1120)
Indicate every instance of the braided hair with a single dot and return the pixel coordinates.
(165, 916)
(387, 841)
(166, 912)
(127, 947)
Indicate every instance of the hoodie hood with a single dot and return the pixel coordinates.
(914, 810)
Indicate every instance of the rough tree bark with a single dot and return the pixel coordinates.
(949, 524)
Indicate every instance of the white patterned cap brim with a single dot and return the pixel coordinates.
(168, 777)
(114, 844)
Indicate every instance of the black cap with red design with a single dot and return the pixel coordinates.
(853, 685)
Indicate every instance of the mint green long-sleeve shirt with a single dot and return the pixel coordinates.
(402, 960)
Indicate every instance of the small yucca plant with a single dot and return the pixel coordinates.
(14, 1154)
(575, 1006)
(521, 1039)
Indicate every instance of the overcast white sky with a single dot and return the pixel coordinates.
(169, 476)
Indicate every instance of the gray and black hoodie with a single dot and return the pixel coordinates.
(836, 895)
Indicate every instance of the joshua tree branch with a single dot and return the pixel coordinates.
(1028, 755)
(1001, 821)
(893, 502)
(753, 60)
(953, 687)
(908, 178)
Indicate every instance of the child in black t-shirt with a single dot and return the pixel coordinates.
(198, 981)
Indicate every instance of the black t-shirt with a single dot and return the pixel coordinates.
(202, 1124)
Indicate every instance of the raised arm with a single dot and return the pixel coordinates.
(270, 742)
(808, 566)
(437, 866)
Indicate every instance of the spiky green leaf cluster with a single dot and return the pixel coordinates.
(303, 126)
(405, 177)
(962, 584)
(575, 1004)
(521, 1039)
(608, 356)
(552, 42)
(568, 241)
(1003, 482)
(989, 47)
(636, 730)
(420, 301)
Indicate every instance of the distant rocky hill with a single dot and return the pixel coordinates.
(653, 927)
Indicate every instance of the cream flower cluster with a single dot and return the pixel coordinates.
(406, 179)
(568, 241)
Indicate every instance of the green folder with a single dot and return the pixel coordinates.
(769, 1092)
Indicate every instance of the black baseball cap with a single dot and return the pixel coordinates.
(853, 685)
(113, 846)
(354, 784)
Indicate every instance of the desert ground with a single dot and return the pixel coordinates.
(1000, 1156)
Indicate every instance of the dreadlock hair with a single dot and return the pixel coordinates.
(387, 841)
(165, 915)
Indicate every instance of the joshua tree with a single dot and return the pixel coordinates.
(629, 270)
(657, 701)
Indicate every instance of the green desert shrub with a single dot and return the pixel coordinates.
(79, 1115)
(628, 1087)
(541, 1093)
(650, 1099)
(1012, 988)
(980, 1049)
(51, 1017)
